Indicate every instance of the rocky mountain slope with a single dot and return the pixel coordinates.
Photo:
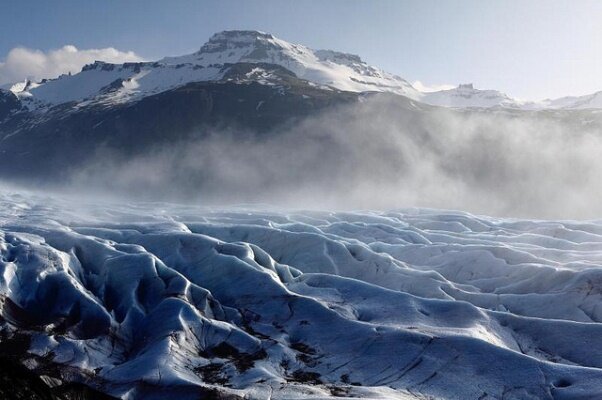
(252, 98)
(238, 80)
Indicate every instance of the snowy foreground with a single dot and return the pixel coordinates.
(157, 301)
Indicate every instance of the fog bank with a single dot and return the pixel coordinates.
(382, 153)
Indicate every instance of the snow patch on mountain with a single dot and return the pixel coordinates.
(112, 83)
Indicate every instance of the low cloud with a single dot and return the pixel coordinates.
(22, 63)
(379, 154)
(431, 88)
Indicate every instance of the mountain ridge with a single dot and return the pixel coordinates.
(343, 71)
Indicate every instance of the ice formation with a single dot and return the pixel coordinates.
(156, 300)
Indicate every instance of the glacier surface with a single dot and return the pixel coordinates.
(161, 301)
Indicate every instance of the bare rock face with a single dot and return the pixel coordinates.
(9, 104)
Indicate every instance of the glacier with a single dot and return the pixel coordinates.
(158, 300)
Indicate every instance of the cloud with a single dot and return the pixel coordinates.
(21, 63)
(382, 153)
(431, 88)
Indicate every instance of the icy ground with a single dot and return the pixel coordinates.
(162, 301)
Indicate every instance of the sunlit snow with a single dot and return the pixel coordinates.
(107, 83)
(150, 300)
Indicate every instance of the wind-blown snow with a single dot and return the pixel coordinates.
(156, 300)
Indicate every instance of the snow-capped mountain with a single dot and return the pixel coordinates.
(465, 95)
(108, 84)
(246, 81)
(114, 84)
(590, 101)
(340, 70)
(248, 99)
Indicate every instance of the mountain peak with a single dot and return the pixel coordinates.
(324, 67)
(236, 39)
(343, 71)
(240, 35)
(469, 86)
(246, 46)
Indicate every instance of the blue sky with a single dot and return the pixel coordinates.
(527, 48)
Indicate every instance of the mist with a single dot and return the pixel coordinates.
(385, 152)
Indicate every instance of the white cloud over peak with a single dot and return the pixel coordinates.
(431, 88)
(21, 63)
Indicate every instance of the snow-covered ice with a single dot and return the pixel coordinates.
(155, 300)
